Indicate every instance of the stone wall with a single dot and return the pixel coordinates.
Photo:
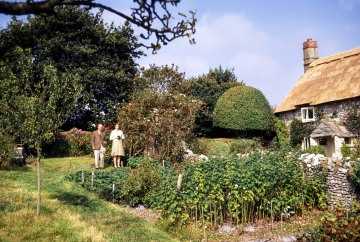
(334, 110)
(339, 187)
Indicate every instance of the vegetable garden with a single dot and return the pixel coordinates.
(268, 185)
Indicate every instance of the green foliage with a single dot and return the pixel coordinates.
(228, 189)
(282, 134)
(352, 152)
(337, 225)
(77, 42)
(219, 147)
(298, 131)
(34, 102)
(243, 108)
(315, 149)
(135, 161)
(354, 176)
(353, 119)
(158, 119)
(222, 189)
(208, 88)
(7, 145)
(140, 182)
(244, 146)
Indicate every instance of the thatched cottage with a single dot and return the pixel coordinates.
(323, 96)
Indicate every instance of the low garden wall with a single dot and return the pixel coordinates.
(340, 188)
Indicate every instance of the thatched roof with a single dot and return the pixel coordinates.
(329, 79)
(331, 128)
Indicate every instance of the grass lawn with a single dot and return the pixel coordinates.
(68, 212)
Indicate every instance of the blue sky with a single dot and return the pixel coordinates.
(261, 39)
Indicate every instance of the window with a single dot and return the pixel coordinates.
(347, 140)
(322, 141)
(307, 114)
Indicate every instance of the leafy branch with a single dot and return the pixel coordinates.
(146, 15)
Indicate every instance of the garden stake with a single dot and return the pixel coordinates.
(272, 220)
(92, 179)
(113, 192)
(82, 177)
(70, 167)
(196, 214)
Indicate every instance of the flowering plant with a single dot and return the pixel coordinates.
(79, 141)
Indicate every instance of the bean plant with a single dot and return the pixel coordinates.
(263, 186)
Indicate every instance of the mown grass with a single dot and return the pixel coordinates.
(68, 212)
(219, 146)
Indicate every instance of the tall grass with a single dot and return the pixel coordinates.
(69, 213)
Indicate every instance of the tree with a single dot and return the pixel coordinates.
(208, 88)
(146, 15)
(34, 102)
(158, 118)
(77, 41)
(243, 108)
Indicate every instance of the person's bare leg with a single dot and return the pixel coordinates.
(117, 161)
(115, 165)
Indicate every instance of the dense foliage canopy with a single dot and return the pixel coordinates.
(154, 17)
(158, 119)
(77, 42)
(243, 108)
(208, 88)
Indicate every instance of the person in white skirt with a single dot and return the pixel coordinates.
(117, 150)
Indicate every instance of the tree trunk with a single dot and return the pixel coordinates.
(39, 182)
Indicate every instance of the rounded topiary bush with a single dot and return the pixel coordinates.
(243, 108)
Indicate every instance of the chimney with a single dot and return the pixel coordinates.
(310, 49)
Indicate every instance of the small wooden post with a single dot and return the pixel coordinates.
(272, 219)
(82, 177)
(92, 179)
(163, 163)
(113, 192)
(70, 167)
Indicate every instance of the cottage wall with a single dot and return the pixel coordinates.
(334, 110)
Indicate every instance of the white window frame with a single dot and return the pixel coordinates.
(305, 114)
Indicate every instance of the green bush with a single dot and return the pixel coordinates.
(337, 225)
(298, 131)
(315, 149)
(243, 146)
(243, 108)
(282, 134)
(7, 153)
(219, 190)
(75, 142)
(354, 176)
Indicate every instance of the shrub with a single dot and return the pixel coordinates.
(282, 134)
(75, 142)
(315, 149)
(243, 108)
(298, 131)
(354, 176)
(7, 153)
(337, 225)
(243, 146)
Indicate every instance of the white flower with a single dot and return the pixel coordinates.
(102, 113)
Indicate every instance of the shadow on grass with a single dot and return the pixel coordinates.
(4, 206)
(73, 199)
(24, 168)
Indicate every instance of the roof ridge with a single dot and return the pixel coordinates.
(337, 56)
